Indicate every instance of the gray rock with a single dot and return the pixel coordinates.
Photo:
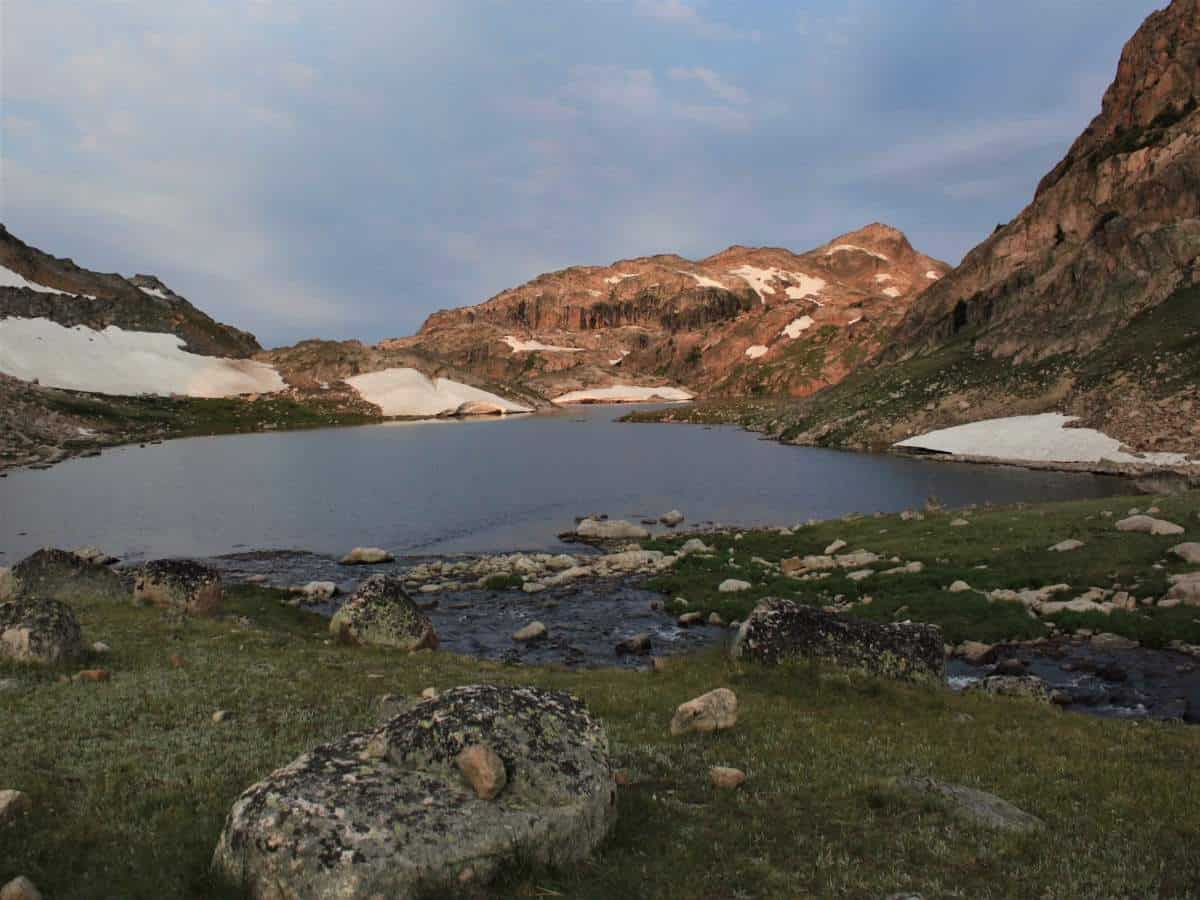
(20, 888)
(1149, 525)
(1066, 546)
(672, 518)
(58, 575)
(366, 556)
(534, 631)
(38, 630)
(610, 530)
(714, 711)
(388, 813)
(694, 545)
(95, 555)
(978, 806)
(734, 586)
(1027, 686)
(779, 630)
(180, 584)
(1185, 589)
(319, 591)
(381, 614)
(1189, 553)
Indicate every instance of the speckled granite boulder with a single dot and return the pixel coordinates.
(381, 614)
(779, 630)
(38, 630)
(181, 584)
(59, 575)
(389, 813)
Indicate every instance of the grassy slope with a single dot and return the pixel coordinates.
(1012, 542)
(131, 780)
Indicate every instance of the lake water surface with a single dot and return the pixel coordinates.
(448, 487)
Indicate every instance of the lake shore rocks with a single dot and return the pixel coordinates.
(600, 530)
(180, 584)
(381, 614)
(367, 556)
(778, 630)
(39, 630)
(390, 812)
(64, 576)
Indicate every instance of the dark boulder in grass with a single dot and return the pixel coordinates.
(393, 812)
(58, 575)
(380, 613)
(38, 630)
(780, 630)
(181, 584)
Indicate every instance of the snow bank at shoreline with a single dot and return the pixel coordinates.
(114, 361)
(408, 392)
(625, 393)
(1040, 438)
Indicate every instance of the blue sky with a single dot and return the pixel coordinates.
(305, 168)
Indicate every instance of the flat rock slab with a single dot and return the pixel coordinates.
(978, 806)
(779, 630)
(1149, 525)
(389, 813)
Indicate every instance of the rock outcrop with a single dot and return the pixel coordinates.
(778, 630)
(381, 614)
(59, 575)
(397, 812)
(978, 806)
(39, 630)
(181, 584)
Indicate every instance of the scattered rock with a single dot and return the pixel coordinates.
(101, 649)
(1066, 546)
(483, 769)
(1105, 643)
(610, 530)
(93, 675)
(781, 629)
(959, 587)
(714, 711)
(978, 806)
(386, 812)
(715, 620)
(694, 545)
(222, 715)
(734, 586)
(671, 519)
(835, 547)
(1149, 525)
(638, 645)
(58, 575)
(180, 584)
(1027, 686)
(13, 804)
(20, 888)
(1189, 553)
(319, 591)
(912, 568)
(959, 523)
(534, 631)
(725, 779)
(94, 555)
(856, 560)
(689, 619)
(366, 556)
(1185, 589)
(380, 613)
(39, 631)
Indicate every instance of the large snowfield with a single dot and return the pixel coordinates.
(1041, 438)
(624, 393)
(407, 392)
(114, 361)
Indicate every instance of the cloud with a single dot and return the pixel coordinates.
(677, 12)
(632, 90)
(711, 80)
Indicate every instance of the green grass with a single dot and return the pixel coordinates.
(131, 780)
(1011, 542)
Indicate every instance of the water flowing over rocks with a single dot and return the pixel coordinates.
(781, 629)
(39, 630)
(180, 584)
(380, 613)
(389, 812)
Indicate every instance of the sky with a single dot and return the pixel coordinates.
(303, 168)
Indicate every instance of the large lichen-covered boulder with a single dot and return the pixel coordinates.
(180, 584)
(39, 630)
(390, 813)
(58, 575)
(380, 613)
(778, 630)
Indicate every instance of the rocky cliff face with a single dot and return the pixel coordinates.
(744, 321)
(34, 285)
(1113, 230)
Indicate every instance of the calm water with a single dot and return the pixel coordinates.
(432, 488)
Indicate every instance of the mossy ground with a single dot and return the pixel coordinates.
(131, 779)
(1002, 547)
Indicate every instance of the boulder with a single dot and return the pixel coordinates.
(20, 888)
(714, 711)
(13, 804)
(319, 591)
(1066, 546)
(976, 653)
(478, 408)
(1143, 524)
(959, 587)
(734, 586)
(835, 547)
(859, 559)
(1028, 686)
(388, 812)
(726, 779)
(95, 555)
(638, 645)
(778, 630)
(1185, 589)
(181, 584)
(694, 545)
(58, 575)
(38, 630)
(381, 614)
(1189, 553)
(534, 631)
(671, 519)
(610, 530)
(978, 806)
(366, 556)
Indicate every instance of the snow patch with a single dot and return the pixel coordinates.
(625, 393)
(619, 277)
(1041, 438)
(798, 327)
(703, 280)
(519, 346)
(804, 286)
(933, 276)
(619, 359)
(882, 277)
(854, 321)
(854, 248)
(154, 292)
(114, 361)
(892, 292)
(758, 351)
(408, 392)
(10, 279)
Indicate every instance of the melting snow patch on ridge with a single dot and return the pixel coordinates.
(154, 292)
(1041, 438)
(10, 279)
(408, 392)
(854, 248)
(519, 346)
(704, 280)
(624, 393)
(760, 279)
(932, 275)
(114, 361)
(619, 277)
(892, 292)
(798, 326)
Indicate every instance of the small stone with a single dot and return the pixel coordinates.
(733, 586)
(672, 518)
(716, 620)
(94, 675)
(689, 619)
(959, 523)
(483, 769)
(1066, 546)
(726, 779)
(430, 693)
(637, 645)
(13, 804)
(101, 648)
(532, 632)
(835, 547)
(222, 715)
(1189, 553)
(20, 888)
(959, 587)
(714, 711)
(366, 556)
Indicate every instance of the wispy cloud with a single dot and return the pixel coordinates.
(719, 86)
(677, 12)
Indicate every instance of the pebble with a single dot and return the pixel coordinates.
(13, 804)
(222, 715)
(726, 779)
